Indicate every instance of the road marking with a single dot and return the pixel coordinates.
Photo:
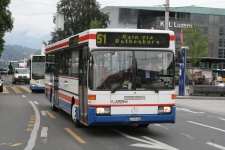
(33, 136)
(188, 110)
(44, 134)
(146, 142)
(35, 102)
(75, 136)
(207, 126)
(23, 96)
(16, 90)
(5, 90)
(26, 89)
(16, 144)
(188, 136)
(216, 145)
(50, 114)
(222, 119)
(43, 113)
(161, 126)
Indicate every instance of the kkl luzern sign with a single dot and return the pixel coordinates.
(176, 25)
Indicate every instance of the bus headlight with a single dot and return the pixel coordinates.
(102, 110)
(164, 110)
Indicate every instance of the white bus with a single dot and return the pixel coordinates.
(36, 65)
(97, 77)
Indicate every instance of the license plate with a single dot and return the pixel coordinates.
(135, 119)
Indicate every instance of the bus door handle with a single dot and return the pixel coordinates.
(66, 83)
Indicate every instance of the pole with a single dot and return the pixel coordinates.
(182, 73)
(167, 15)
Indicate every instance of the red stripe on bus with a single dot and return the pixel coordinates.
(116, 105)
(87, 37)
(172, 38)
(58, 46)
(68, 98)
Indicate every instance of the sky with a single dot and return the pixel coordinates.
(33, 19)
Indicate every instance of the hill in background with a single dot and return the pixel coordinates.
(17, 52)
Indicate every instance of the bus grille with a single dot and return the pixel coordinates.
(134, 97)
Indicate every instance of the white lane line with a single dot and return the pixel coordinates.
(35, 102)
(33, 135)
(222, 119)
(161, 126)
(23, 96)
(44, 134)
(188, 136)
(43, 113)
(207, 126)
(216, 145)
(188, 110)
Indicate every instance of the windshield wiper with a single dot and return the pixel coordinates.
(153, 87)
(116, 88)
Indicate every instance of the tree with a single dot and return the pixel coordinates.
(197, 43)
(79, 15)
(6, 21)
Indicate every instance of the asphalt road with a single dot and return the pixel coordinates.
(27, 122)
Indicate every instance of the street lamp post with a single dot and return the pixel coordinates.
(182, 71)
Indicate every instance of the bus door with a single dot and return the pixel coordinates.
(56, 86)
(83, 102)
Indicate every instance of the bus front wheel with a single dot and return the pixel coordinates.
(73, 114)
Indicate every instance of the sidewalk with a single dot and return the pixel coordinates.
(203, 97)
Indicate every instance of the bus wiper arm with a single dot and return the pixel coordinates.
(156, 90)
(115, 89)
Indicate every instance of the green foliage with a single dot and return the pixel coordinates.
(95, 24)
(6, 22)
(197, 43)
(79, 15)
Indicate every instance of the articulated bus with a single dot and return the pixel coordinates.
(98, 78)
(36, 65)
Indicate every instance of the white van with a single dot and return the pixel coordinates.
(21, 75)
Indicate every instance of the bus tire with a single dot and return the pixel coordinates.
(73, 115)
(54, 108)
(143, 125)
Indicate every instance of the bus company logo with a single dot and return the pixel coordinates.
(134, 110)
(119, 101)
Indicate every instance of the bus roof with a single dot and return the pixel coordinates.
(91, 35)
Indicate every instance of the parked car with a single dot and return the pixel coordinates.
(21, 75)
(4, 70)
(1, 85)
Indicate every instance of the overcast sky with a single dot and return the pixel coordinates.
(33, 19)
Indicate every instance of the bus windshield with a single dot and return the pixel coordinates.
(126, 70)
(38, 70)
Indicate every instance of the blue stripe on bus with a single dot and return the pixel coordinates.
(93, 119)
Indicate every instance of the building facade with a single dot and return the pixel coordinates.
(212, 19)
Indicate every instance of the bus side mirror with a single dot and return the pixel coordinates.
(85, 53)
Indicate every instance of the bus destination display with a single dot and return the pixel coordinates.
(109, 39)
(38, 59)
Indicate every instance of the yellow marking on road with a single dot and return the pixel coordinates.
(15, 89)
(30, 125)
(50, 114)
(75, 136)
(32, 121)
(16, 144)
(26, 89)
(5, 90)
(29, 129)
